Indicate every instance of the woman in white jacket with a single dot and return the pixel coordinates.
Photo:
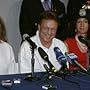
(7, 59)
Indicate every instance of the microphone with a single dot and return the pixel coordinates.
(84, 41)
(73, 58)
(32, 44)
(44, 56)
(60, 57)
(46, 68)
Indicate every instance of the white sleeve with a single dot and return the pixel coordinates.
(24, 58)
(13, 67)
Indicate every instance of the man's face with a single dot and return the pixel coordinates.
(88, 2)
(47, 30)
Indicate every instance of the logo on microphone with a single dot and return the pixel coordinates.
(59, 56)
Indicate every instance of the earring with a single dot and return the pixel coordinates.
(75, 30)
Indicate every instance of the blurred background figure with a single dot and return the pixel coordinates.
(72, 11)
(65, 3)
(75, 43)
(7, 59)
(30, 11)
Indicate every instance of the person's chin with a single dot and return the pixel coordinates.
(48, 39)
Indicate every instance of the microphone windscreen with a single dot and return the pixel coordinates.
(43, 54)
(83, 40)
(32, 44)
(59, 55)
(73, 58)
(25, 36)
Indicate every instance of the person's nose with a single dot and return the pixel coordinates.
(49, 31)
(82, 23)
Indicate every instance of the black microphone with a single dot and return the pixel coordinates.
(73, 58)
(60, 57)
(49, 71)
(44, 56)
(46, 68)
(84, 41)
(32, 44)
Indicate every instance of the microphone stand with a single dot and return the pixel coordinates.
(31, 76)
(32, 62)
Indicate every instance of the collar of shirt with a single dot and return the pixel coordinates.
(43, 1)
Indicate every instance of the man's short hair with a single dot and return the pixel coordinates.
(48, 15)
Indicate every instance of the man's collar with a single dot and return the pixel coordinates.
(43, 0)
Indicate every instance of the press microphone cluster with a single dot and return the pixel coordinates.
(64, 60)
(70, 58)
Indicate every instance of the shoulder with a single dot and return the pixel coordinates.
(70, 40)
(26, 44)
(6, 45)
(57, 40)
(59, 43)
(34, 38)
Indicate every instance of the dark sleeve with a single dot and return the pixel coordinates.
(24, 18)
(70, 9)
(28, 19)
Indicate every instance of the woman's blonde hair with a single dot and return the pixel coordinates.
(3, 35)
